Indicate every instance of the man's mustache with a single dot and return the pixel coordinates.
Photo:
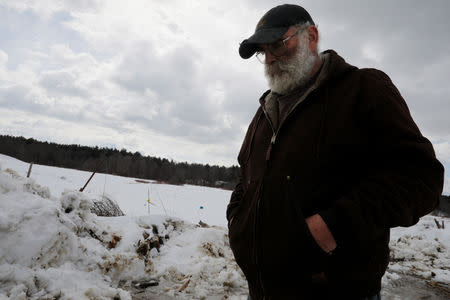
(277, 66)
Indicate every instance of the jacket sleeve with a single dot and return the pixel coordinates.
(243, 156)
(408, 182)
(236, 197)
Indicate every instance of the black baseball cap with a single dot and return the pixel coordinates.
(273, 25)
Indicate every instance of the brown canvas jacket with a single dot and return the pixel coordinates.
(348, 150)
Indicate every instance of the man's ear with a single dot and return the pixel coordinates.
(313, 36)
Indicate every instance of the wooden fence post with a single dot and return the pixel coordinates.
(95, 171)
(439, 226)
(29, 170)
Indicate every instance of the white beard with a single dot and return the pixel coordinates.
(285, 76)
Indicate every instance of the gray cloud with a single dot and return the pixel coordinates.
(180, 91)
(61, 82)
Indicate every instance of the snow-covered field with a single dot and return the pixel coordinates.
(53, 247)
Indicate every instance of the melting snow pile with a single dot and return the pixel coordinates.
(422, 251)
(55, 248)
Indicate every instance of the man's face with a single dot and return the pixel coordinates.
(294, 68)
(290, 45)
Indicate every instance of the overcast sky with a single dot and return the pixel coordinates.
(164, 77)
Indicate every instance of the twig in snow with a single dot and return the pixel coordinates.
(184, 286)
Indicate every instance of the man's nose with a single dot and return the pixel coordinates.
(269, 57)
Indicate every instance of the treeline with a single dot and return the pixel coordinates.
(118, 162)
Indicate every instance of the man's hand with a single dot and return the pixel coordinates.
(321, 233)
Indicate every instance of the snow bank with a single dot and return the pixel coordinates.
(48, 245)
(202, 259)
(422, 250)
(56, 248)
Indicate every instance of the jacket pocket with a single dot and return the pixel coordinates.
(242, 203)
(233, 218)
(240, 231)
(317, 260)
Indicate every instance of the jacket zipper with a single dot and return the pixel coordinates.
(275, 132)
(274, 135)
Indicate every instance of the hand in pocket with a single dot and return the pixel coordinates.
(321, 233)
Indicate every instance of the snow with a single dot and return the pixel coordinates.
(53, 247)
(422, 249)
(171, 200)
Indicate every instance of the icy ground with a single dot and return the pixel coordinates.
(53, 247)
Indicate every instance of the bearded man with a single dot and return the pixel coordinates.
(331, 161)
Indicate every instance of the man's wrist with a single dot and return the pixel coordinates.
(321, 233)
